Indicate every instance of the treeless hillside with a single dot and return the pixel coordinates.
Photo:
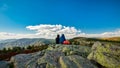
(112, 39)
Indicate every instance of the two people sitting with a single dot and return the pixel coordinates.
(61, 40)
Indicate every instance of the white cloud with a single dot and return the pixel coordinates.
(111, 34)
(5, 35)
(50, 31)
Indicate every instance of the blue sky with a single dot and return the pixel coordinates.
(90, 16)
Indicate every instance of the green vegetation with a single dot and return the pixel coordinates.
(106, 54)
(112, 39)
(7, 53)
(11, 65)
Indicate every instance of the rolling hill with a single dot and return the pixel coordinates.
(112, 39)
(24, 42)
(90, 41)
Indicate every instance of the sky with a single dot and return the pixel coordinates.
(47, 18)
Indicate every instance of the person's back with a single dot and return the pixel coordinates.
(57, 39)
(62, 39)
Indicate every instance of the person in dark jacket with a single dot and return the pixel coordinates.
(62, 38)
(58, 39)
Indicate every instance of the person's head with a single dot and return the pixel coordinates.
(58, 35)
(62, 35)
(62, 39)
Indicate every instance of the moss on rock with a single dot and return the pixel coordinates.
(106, 54)
(75, 61)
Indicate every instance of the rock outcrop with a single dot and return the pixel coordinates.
(51, 59)
(105, 54)
(75, 61)
(72, 50)
(21, 60)
(58, 56)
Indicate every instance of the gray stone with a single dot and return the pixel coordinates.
(75, 61)
(51, 59)
(72, 49)
(57, 56)
(21, 60)
(105, 54)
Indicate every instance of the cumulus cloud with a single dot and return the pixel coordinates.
(70, 32)
(50, 31)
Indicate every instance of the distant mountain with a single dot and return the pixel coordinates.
(24, 42)
(7, 40)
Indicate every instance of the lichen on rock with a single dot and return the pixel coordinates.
(75, 61)
(105, 54)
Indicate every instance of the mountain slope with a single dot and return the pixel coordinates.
(112, 39)
(7, 40)
(90, 41)
(25, 42)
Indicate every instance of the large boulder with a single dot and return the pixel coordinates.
(75, 61)
(4, 64)
(107, 55)
(20, 60)
(72, 49)
(57, 59)
(58, 56)
(51, 59)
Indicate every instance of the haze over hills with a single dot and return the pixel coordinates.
(7, 40)
(24, 42)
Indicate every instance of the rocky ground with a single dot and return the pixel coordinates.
(68, 56)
